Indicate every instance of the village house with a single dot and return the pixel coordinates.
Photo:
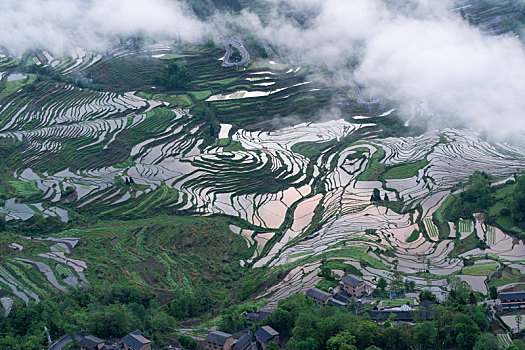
(320, 297)
(217, 340)
(136, 341)
(403, 313)
(89, 342)
(352, 285)
(243, 343)
(338, 303)
(265, 335)
(395, 315)
(257, 316)
(512, 300)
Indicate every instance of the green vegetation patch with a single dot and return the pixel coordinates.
(311, 150)
(398, 302)
(480, 269)
(440, 220)
(413, 236)
(464, 245)
(337, 264)
(405, 171)
(234, 146)
(163, 252)
(64, 271)
(326, 285)
(11, 87)
(201, 95)
(374, 166)
(507, 276)
(357, 253)
(25, 189)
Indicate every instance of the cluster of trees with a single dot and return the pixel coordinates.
(477, 197)
(120, 308)
(517, 202)
(174, 77)
(189, 305)
(457, 323)
(453, 325)
(376, 196)
(109, 312)
(397, 286)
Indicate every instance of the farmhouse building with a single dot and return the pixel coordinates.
(243, 343)
(320, 297)
(89, 342)
(220, 341)
(352, 285)
(512, 300)
(136, 341)
(265, 335)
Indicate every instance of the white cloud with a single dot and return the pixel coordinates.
(461, 74)
(60, 25)
(412, 51)
(408, 50)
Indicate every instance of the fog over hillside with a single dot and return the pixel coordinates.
(416, 52)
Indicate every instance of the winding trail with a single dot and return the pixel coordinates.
(245, 55)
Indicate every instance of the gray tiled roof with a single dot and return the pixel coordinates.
(338, 303)
(512, 296)
(265, 333)
(135, 341)
(90, 342)
(318, 294)
(242, 341)
(217, 337)
(383, 315)
(352, 280)
(257, 316)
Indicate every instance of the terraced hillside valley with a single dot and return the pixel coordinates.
(163, 173)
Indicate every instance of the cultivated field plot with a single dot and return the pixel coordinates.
(31, 275)
(491, 235)
(431, 228)
(504, 340)
(465, 225)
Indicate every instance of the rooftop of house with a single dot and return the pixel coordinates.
(265, 333)
(352, 280)
(343, 296)
(135, 340)
(512, 296)
(383, 315)
(90, 342)
(318, 294)
(338, 303)
(218, 337)
(242, 341)
(257, 316)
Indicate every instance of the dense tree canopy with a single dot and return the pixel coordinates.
(475, 198)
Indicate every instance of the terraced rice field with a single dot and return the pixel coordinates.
(297, 192)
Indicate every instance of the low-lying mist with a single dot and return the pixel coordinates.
(419, 53)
